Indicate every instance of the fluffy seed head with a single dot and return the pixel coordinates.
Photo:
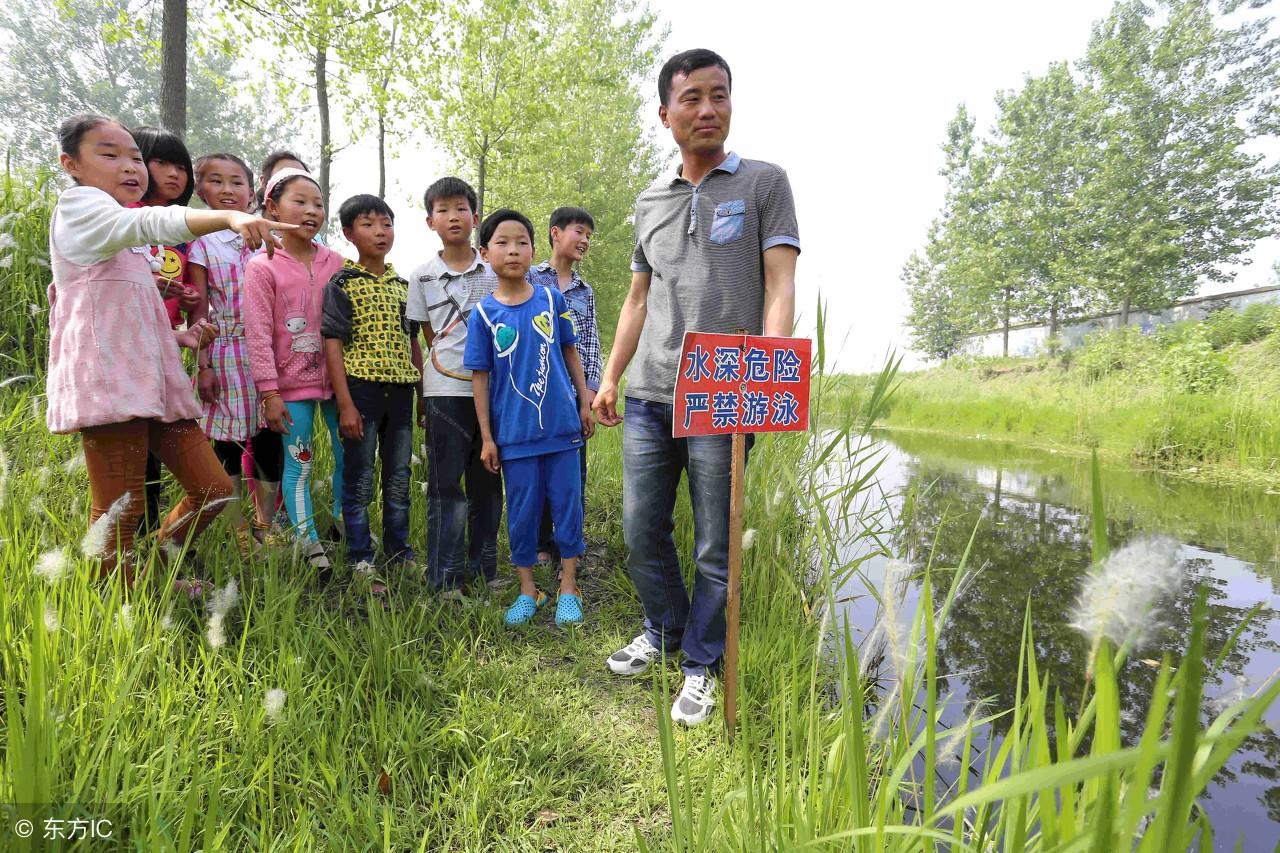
(220, 604)
(216, 633)
(273, 704)
(224, 600)
(53, 565)
(94, 542)
(1121, 592)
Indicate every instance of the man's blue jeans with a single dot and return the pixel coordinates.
(453, 445)
(387, 411)
(652, 462)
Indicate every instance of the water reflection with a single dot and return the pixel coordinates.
(1027, 516)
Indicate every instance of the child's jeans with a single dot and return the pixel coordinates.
(299, 455)
(115, 456)
(386, 408)
(453, 445)
(533, 482)
(546, 535)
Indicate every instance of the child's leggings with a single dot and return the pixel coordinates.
(299, 454)
(115, 456)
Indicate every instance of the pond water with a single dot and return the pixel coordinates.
(1031, 513)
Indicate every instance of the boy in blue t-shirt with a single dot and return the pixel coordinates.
(531, 402)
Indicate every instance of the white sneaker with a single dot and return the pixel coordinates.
(696, 701)
(635, 657)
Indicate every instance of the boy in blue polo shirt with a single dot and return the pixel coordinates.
(533, 410)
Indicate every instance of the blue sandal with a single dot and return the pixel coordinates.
(522, 610)
(569, 609)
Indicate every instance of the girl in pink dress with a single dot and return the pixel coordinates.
(115, 374)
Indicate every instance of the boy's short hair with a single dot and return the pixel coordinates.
(361, 204)
(448, 188)
(686, 63)
(505, 214)
(563, 217)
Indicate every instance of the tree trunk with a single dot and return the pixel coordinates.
(173, 67)
(482, 172)
(382, 113)
(322, 105)
(1005, 348)
(382, 154)
(1124, 311)
(1053, 321)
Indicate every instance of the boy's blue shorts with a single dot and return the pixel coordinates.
(553, 478)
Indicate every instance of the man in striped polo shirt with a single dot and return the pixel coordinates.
(716, 249)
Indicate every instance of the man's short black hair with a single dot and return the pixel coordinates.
(361, 204)
(505, 214)
(563, 217)
(449, 188)
(686, 63)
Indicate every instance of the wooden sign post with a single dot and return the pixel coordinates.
(740, 384)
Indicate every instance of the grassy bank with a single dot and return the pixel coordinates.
(1200, 399)
(488, 738)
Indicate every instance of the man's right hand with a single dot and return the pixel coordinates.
(605, 405)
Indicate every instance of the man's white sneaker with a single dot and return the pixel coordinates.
(696, 701)
(635, 657)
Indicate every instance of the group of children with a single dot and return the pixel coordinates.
(284, 328)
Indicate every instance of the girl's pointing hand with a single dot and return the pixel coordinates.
(256, 230)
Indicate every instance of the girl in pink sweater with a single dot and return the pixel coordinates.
(115, 375)
(283, 301)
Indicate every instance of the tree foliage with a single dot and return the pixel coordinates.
(543, 109)
(63, 57)
(346, 51)
(1121, 184)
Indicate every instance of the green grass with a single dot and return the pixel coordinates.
(1198, 399)
(414, 724)
(491, 738)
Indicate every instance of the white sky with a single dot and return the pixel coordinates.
(853, 102)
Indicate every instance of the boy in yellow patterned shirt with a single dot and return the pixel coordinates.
(375, 365)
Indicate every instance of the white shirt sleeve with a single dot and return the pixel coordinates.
(91, 226)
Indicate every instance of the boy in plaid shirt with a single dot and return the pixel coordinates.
(571, 229)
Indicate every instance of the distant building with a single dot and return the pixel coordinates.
(1030, 338)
